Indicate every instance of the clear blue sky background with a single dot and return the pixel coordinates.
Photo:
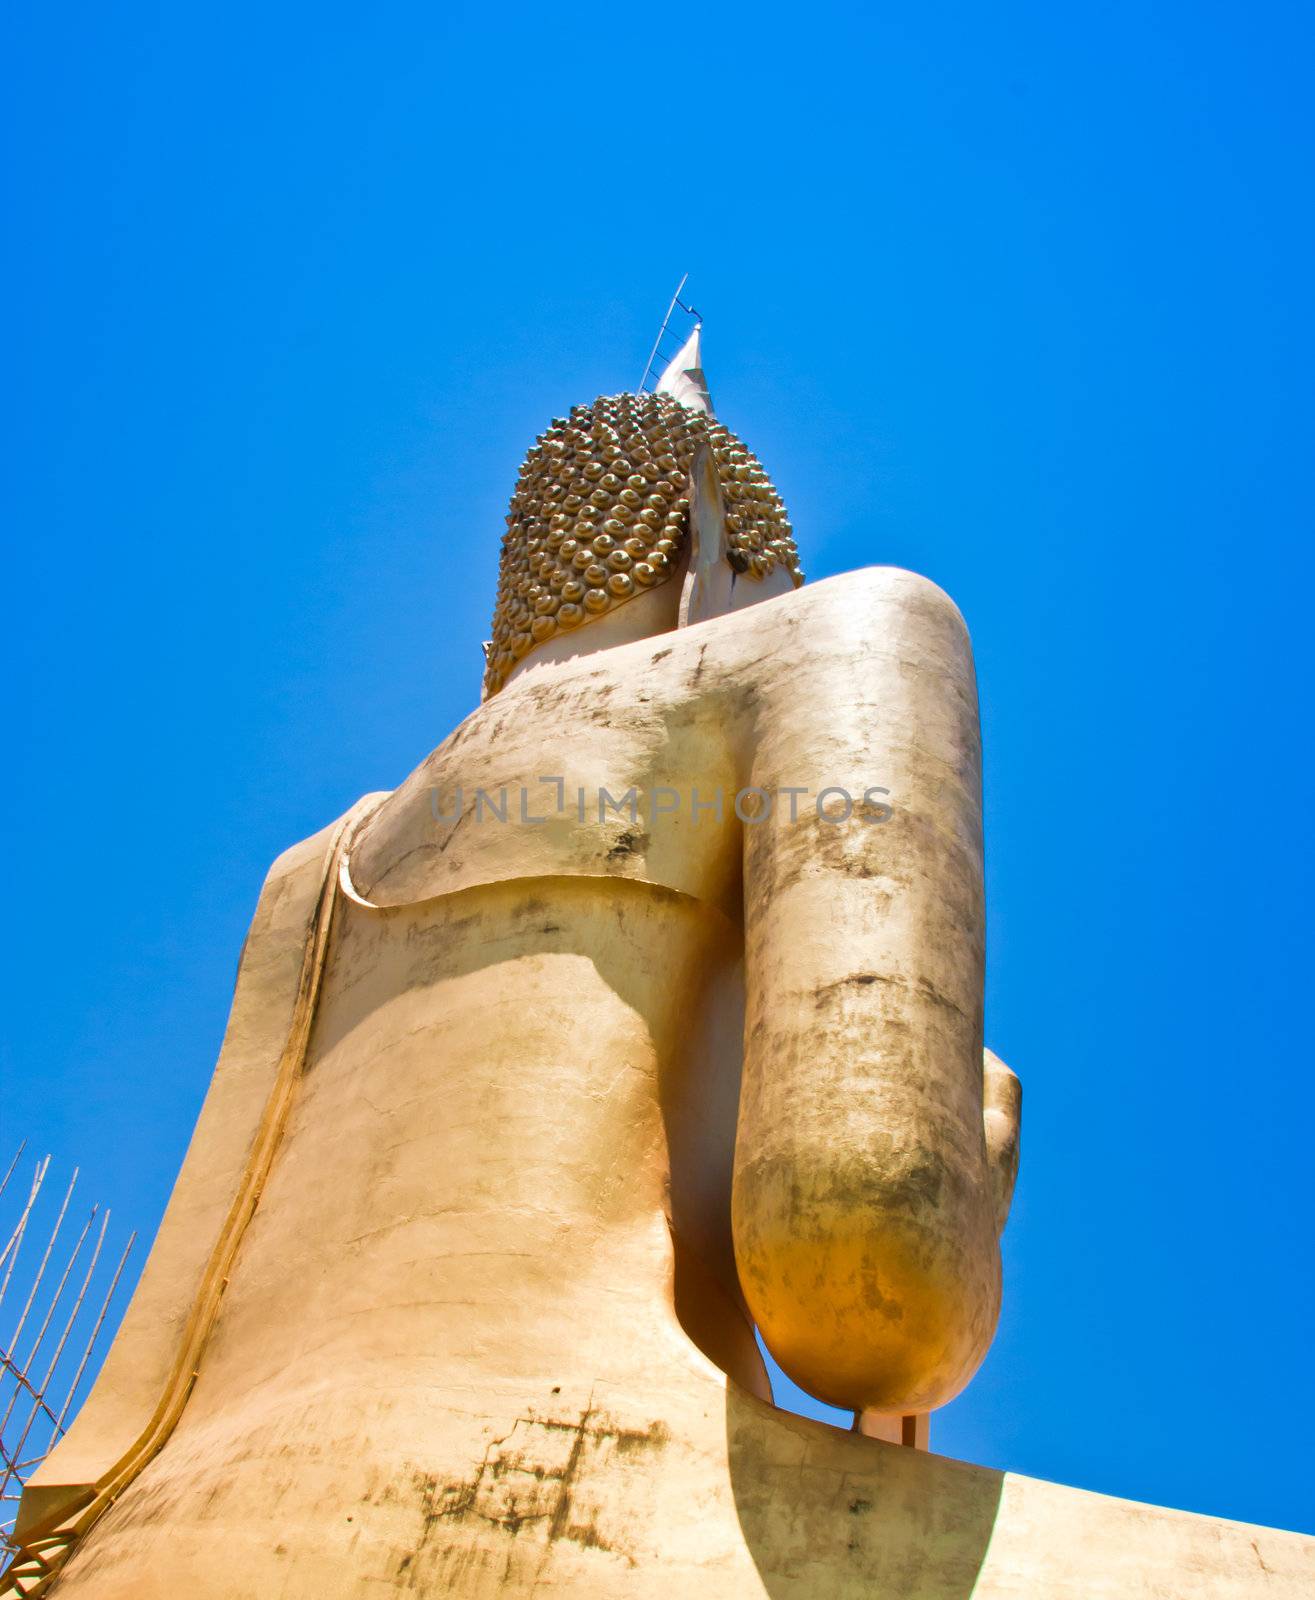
(1018, 296)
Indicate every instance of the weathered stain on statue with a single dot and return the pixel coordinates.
(528, 1482)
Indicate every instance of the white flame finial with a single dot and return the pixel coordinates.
(683, 376)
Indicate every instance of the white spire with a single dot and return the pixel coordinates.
(683, 377)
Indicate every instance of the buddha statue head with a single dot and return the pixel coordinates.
(631, 516)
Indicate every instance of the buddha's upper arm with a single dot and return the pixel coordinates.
(870, 694)
(860, 1131)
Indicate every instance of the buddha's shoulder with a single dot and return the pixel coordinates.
(833, 624)
(872, 608)
(862, 594)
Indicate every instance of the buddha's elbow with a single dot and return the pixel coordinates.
(869, 1310)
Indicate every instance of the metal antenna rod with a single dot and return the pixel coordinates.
(652, 355)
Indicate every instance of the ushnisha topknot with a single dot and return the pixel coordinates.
(601, 513)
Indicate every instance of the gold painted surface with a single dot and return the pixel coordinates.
(580, 1099)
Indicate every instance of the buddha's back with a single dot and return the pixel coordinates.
(457, 1297)
(484, 1329)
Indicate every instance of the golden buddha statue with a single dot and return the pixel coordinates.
(646, 1011)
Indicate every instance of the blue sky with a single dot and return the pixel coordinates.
(1018, 296)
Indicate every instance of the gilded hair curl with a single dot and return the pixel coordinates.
(601, 513)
